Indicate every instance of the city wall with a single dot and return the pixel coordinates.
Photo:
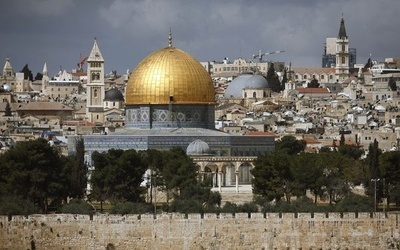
(209, 231)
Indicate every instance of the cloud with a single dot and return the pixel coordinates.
(129, 30)
(41, 7)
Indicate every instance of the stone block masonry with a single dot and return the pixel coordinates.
(271, 231)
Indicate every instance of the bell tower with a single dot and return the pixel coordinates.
(342, 53)
(95, 87)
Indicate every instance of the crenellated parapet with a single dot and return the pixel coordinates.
(202, 231)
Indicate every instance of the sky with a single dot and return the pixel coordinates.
(60, 32)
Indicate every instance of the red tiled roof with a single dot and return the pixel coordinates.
(313, 90)
(310, 140)
(44, 106)
(80, 73)
(310, 70)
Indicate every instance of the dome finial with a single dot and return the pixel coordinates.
(170, 38)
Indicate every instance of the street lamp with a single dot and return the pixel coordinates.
(375, 181)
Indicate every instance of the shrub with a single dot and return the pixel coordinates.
(132, 208)
(355, 203)
(16, 205)
(77, 207)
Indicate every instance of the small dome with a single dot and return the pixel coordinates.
(245, 81)
(198, 147)
(113, 95)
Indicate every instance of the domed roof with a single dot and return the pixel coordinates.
(245, 81)
(169, 72)
(198, 147)
(113, 95)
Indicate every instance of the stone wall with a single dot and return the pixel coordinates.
(209, 231)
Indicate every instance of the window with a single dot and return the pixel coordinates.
(254, 95)
(343, 60)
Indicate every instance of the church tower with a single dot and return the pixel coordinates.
(8, 76)
(8, 71)
(342, 53)
(45, 79)
(95, 87)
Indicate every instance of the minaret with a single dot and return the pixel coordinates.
(8, 71)
(45, 79)
(95, 87)
(342, 53)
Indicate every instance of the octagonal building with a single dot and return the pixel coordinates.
(170, 102)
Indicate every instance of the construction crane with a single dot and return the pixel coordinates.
(81, 62)
(261, 54)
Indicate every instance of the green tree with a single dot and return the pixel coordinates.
(336, 186)
(196, 198)
(117, 176)
(369, 64)
(7, 111)
(15, 205)
(273, 177)
(155, 162)
(308, 171)
(313, 83)
(179, 171)
(32, 170)
(77, 206)
(392, 84)
(351, 151)
(342, 140)
(390, 166)
(290, 145)
(284, 79)
(273, 79)
(77, 171)
(27, 73)
(39, 76)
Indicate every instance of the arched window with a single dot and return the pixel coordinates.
(254, 95)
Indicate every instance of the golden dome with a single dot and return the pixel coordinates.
(169, 72)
